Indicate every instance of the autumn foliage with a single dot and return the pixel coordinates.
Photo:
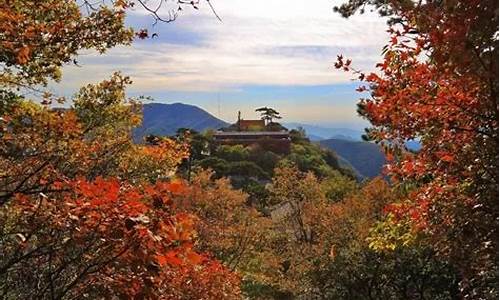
(38, 37)
(438, 83)
(84, 212)
(80, 216)
(105, 238)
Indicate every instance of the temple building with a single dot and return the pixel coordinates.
(271, 136)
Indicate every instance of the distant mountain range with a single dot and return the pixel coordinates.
(317, 133)
(164, 119)
(366, 158)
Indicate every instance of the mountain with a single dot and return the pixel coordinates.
(367, 158)
(165, 119)
(314, 138)
(316, 133)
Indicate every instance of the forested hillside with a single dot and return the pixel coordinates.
(87, 213)
(253, 167)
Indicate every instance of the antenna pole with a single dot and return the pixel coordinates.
(218, 105)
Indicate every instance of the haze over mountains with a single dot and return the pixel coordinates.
(164, 119)
(317, 133)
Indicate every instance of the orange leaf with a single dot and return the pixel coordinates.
(176, 187)
(23, 55)
(389, 156)
(445, 156)
(170, 258)
(194, 258)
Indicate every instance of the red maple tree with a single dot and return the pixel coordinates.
(438, 83)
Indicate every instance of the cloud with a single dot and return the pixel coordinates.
(260, 42)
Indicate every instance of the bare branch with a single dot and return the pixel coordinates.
(213, 10)
(172, 15)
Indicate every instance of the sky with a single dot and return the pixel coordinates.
(277, 53)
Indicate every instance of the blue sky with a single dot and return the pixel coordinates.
(278, 53)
